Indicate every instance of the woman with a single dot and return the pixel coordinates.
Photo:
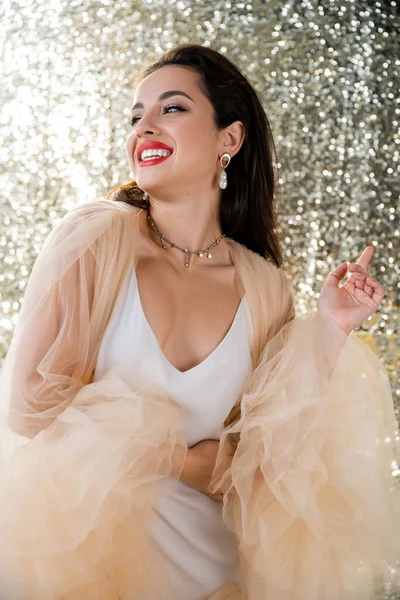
(183, 435)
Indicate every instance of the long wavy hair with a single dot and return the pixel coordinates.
(248, 206)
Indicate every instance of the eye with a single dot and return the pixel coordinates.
(179, 108)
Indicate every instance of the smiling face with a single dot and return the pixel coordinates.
(184, 123)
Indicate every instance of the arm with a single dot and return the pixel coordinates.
(199, 465)
(50, 356)
(86, 483)
(44, 367)
(310, 478)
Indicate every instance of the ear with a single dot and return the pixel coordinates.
(232, 138)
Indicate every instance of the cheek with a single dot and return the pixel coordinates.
(129, 148)
(129, 142)
(195, 144)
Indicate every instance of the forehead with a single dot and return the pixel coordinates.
(171, 77)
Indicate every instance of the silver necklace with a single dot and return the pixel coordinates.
(185, 251)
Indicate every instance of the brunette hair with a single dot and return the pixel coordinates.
(248, 206)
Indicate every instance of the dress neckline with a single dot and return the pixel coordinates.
(208, 358)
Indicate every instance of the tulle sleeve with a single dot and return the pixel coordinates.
(48, 360)
(310, 494)
(81, 460)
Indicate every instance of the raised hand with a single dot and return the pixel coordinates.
(357, 299)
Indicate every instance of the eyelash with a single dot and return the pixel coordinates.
(133, 119)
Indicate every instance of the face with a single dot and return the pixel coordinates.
(184, 123)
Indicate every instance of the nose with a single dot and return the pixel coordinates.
(144, 126)
(144, 131)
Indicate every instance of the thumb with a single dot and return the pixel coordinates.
(336, 275)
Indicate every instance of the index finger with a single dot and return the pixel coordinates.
(366, 256)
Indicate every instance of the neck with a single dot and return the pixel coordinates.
(194, 230)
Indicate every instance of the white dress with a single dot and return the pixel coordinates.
(198, 548)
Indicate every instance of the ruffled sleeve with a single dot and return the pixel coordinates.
(310, 494)
(50, 356)
(81, 460)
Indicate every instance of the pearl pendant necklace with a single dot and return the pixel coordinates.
(185, 251)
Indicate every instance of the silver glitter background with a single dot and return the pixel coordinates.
(327, 72)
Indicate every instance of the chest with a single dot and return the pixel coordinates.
(205, 392)
(189, 312)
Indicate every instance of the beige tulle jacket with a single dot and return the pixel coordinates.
(309, 494)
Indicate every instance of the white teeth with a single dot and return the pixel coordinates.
(151, 153)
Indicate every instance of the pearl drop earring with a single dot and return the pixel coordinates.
(223, 179)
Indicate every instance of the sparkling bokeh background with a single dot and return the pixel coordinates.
(326, 72)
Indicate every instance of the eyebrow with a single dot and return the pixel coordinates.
(164, 96)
